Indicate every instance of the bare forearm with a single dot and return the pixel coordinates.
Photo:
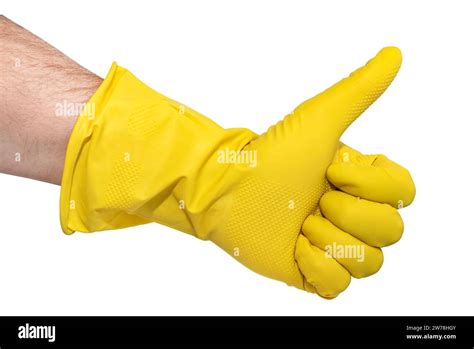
(41, 95)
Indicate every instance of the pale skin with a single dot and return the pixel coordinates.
(34, 79)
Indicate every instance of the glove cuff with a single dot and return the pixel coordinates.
(136, 156)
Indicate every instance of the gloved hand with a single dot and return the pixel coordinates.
(143, 157)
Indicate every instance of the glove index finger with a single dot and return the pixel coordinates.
(375, 178)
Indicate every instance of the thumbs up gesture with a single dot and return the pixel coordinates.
(293, 204)
(314, 212)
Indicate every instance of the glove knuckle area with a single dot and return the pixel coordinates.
(320, 270)
(360, 259)
(376, 224)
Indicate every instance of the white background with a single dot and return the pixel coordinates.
(248, 63)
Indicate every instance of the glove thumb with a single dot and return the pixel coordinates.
(337, 107)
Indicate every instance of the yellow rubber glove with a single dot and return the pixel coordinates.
(142, 157)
